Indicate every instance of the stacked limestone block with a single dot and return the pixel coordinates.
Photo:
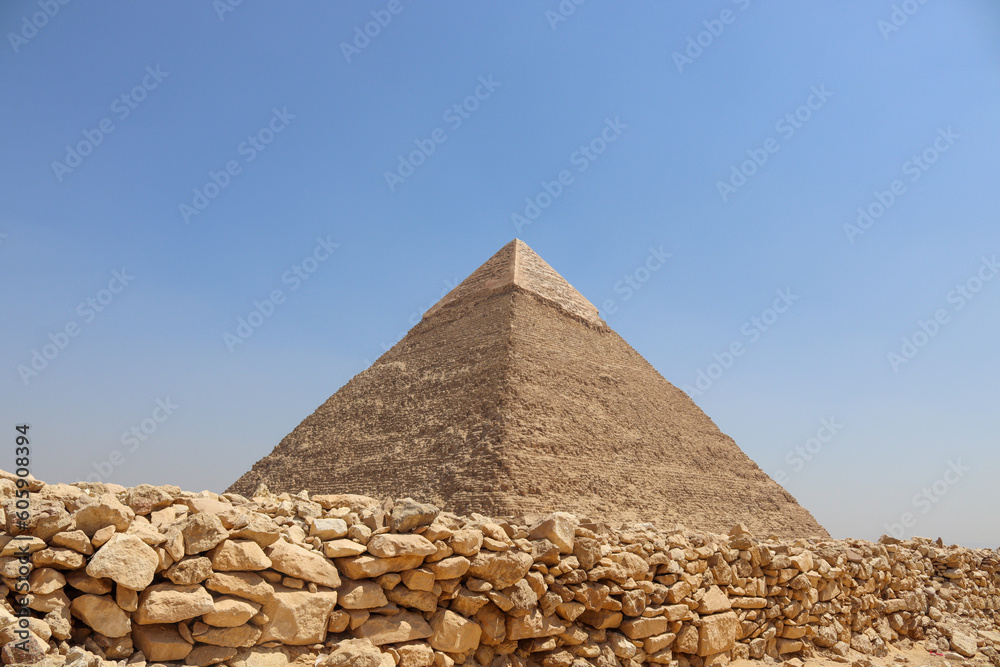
(158, 575)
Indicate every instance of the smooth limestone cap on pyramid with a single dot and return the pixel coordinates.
(513, 397)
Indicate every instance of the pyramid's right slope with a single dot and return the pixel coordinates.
(513, 397)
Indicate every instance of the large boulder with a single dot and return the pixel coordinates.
(126, 560)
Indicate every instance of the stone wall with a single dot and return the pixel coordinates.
(160, 575)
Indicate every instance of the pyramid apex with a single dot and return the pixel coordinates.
(516, 265)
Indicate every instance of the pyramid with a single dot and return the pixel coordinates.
(512, 397)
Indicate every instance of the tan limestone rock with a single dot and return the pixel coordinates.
(126, 560)
(107, 511)
(363, 594)
(191, 570)
(718, 633)
(388, 546)
(160, 643)
(241, 584)
(238, 556)
(170, 603)
(102, 615)
(298, 617)
(367, 566)
(501, 569)
(343, 548)
(240, 636)
(714, 601)
(452, 633)
(558, 528)
(402, 627)
(299, 562)
(230, 612)
(201, 532)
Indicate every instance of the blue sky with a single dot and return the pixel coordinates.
(215, 159)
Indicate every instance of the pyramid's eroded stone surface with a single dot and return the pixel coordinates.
(512, 397)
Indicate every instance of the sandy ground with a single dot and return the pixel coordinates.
(917, 656)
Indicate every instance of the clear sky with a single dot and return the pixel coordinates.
(823, 177)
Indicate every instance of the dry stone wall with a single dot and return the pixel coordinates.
(97, 573)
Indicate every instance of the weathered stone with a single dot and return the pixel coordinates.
(230, 612)
(61, 559)
(146, 498)
(241, 584)
(160, 643)
(76, 540)
(422, 600)
(717, 633)
(170, 603)
(640, 628)
(415, 655)
(389, 546)
(450, 568)
(367, 566)
(402, 627)
(204, 655)
(328, 529)
(24, 651)
(238, 556)
(419, 579)
(297, 617)
(452, 633)
(535, 624)
(364, 594)
(466, 542)
(192, 570)
(301, 563)
(261, 529)
(126, 560)
(963, 644)
(408, 515)
(201, 532)
(343, 548)
(501, 569)
(102, 615)
(45, 518)
(107, 511)
(714, 601)
(45, 580)
(602, 618)
(240, 636)
(355, 653)
(558, 528)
